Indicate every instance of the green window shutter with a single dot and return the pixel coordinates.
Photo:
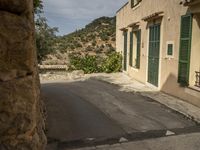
(138, 49)
(185, 48)
(131, 50)
(125, 50)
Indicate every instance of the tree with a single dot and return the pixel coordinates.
(45, 35)
(37, 6)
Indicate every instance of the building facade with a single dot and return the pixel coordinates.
(160, 44)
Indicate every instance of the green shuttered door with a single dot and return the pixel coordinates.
(154, 52)
(185, 48)
(125, 50)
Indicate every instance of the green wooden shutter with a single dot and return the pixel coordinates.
(138, 49)
(125, 50)
(131, 50)
(185, 48)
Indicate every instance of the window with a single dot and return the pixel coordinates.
(135, 3)
(135, 45)
(170, 49)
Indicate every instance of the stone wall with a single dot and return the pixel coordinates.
(21, 120)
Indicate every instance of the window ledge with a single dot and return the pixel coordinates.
(169, 57)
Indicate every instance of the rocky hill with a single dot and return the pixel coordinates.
(96, 39)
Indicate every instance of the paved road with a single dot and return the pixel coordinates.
(89, 109)
(71, 117)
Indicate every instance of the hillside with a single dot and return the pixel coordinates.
(96, 39)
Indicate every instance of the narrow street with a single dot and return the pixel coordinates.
(92, 112)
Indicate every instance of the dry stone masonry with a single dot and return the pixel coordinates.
(21, 120)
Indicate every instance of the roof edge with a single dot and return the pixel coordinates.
(122, 7)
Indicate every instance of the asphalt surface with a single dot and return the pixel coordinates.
(94, 110)
(71, 117)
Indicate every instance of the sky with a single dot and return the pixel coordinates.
(70, 15)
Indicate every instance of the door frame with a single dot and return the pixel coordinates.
(158, 21)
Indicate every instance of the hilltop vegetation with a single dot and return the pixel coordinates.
(96, 37)
(89, 49)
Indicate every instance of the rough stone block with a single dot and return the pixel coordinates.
(14, 6)
(16, 50)
(18, 110)
(20, 118)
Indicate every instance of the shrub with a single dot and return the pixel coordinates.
(104, 37)
(94, 43)
(113, 39)
(72, 47)
(89, 48)
(98, 50)
(113, 63)
(94, 64)
(110, 50)
(88, 64)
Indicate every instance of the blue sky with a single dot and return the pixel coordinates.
(69, 15)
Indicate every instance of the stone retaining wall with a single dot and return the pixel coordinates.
(52, 68)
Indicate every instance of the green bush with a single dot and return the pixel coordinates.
(94, 43)
(88, 64)
(104, 37)
(113, 39)
(110, 50)
(113, 63)
(94, 64)
(89, 48)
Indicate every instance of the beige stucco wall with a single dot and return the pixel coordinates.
(170, 32)
(195, 49)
